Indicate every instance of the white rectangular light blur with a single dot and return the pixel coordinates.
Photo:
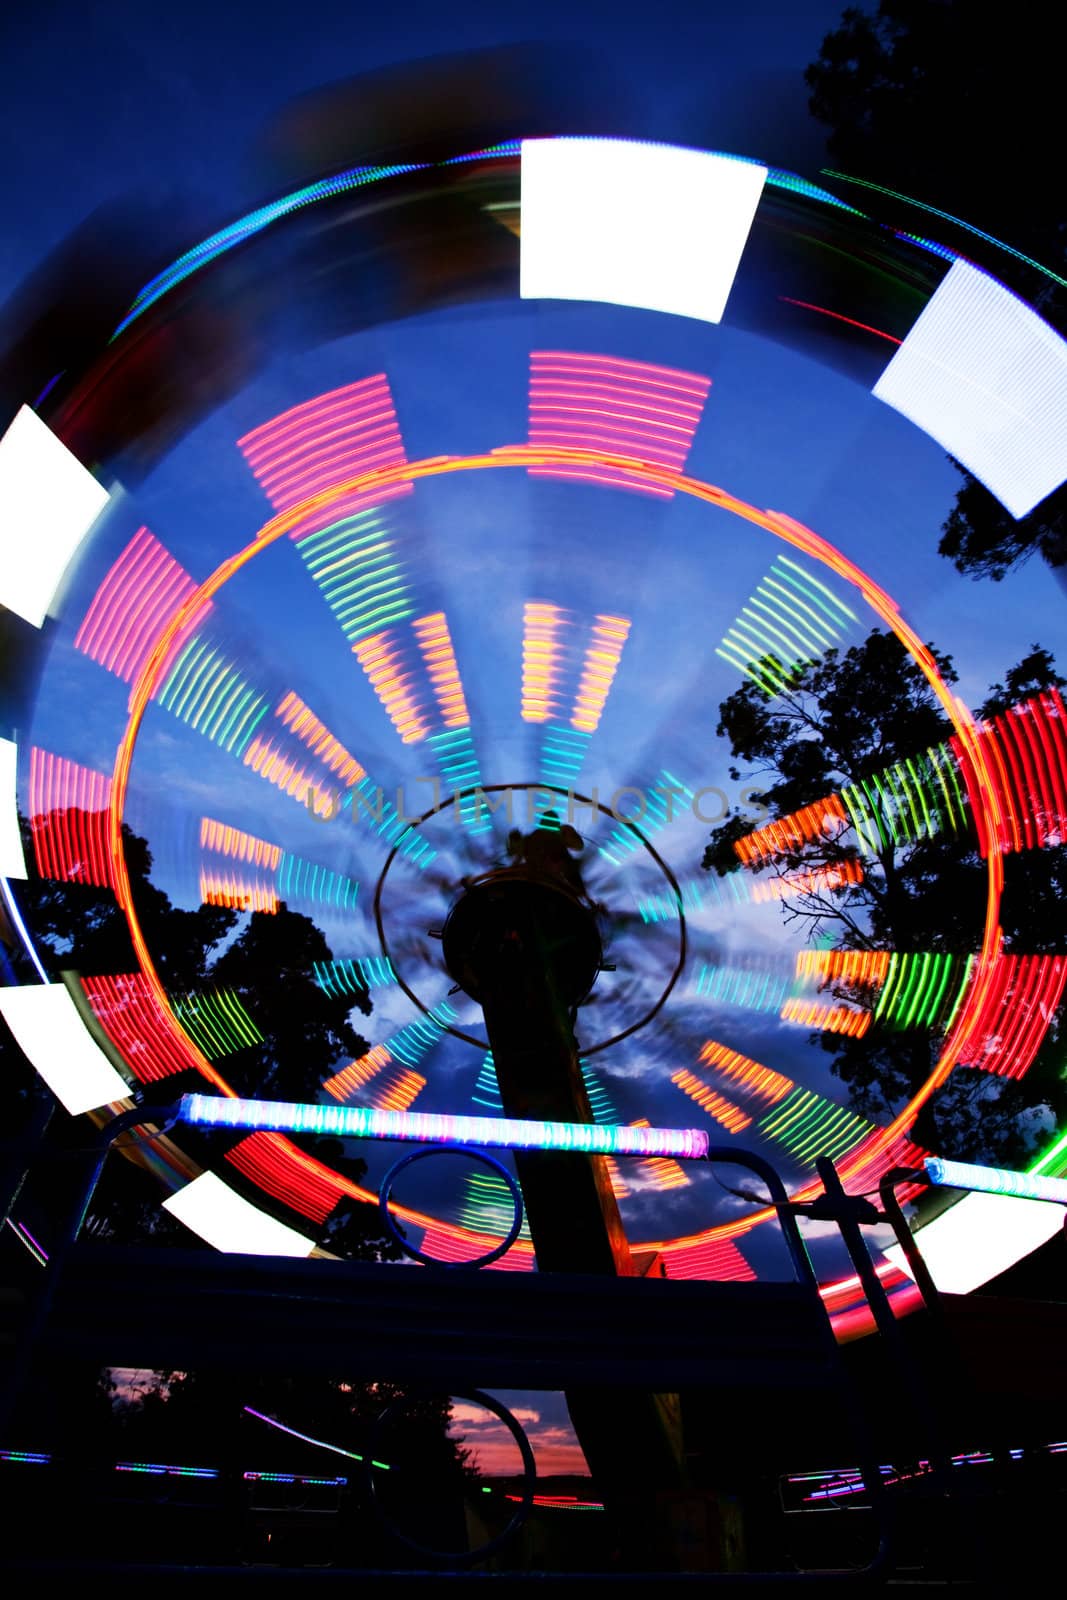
(12, 859)
(51, 1034)
(986, 377)
(224, 1219)
(981, 1236)
(48, 503)
(651, 225)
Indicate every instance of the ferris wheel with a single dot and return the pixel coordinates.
(464, 528)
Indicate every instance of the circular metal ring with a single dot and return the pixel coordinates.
(386, 1188)
(522, 1510)
(548, 788)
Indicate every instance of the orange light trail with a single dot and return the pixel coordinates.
(789, 833)
(379, 656)
(228, 889)
(817, 881)
(435, 642)
(827, 1019)
(268, 760)
(855, 1164)
(227, 841)
(602, 659)
(866, 968)
(301, 720)
(542, 659)
(749, 1075)
(732, 1117)
(358, 1073)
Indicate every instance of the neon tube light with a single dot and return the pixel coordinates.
(354, 1122)
(994, 1180)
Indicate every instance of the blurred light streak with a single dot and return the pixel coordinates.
(917, 798)
(820, 880)
(717, 1259)
(755, 989)
(792, 619)
(146, 1034)
(279, 1168)
(217, 1022)
(301, 720)
(986, 377)
(602, 656)
(306, 880)
(233, 889)
(382, 660)
(227, 841)
(359, 1073)
(542, 659)
(69, 820)
(1020, 1002)
(209, 693)
(435, 642)
(353, 977)
(809, 825)
(826, 1018)
(838, 316)
(1026, 751)
(607, 403)
(658, 802)
(807, 1125)
(353, 564)
(716, 1105)
(139, 594)
(749, 1075)
(923, 990)
(655, 226)
(48, 502)
(453, 1244)
(859, 968)
(664, 1173)
(271, 763)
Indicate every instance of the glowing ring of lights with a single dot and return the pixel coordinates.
(386, 1190)
(461, 1558)
(861, 1158)
(545, 788)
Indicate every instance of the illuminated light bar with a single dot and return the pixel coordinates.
(208, 692)
(602, 658)
(503, 1133)
(807, 1125)
(343, 978)
(48, 503)
(25, 1238)
(306, 880)
(809, 825)
(1021, 998)
(542, 659)
(910, 800)
(314, 446)
(648, 225)
(755, 989)
(792, 619)
(399, 1091)
(51, 1034)
(12, 855)
(718, 1259)
(294, 1477)
(861, 968)
(923, 990)
(380, 658)
(147, 1037)
(359, 1073)
(227, 841)
(354, 565)
(979, 1238)
(217, 1023)
(827, 1019)
(664, 1173)
(1026, 751)
(280, 1169)
(819, 880)
(221, 1217)
(994, 1180)
(435, 642)
(617, 406)
(243, 894)
(69, 820)
(33, 1458)
(159, 1470)
(732, 1117)
(139, 595)
(301, 720)
(986, 377)
(451, 1245)
(659, 800)
(271, 763)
